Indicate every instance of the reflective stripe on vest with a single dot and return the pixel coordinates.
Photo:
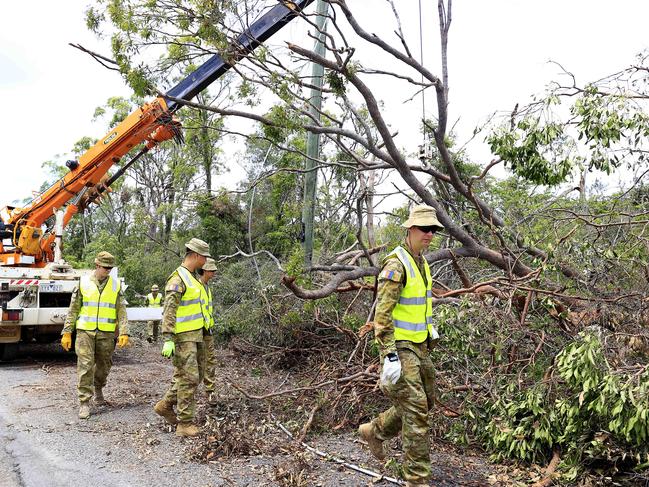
(189, 316)
(413, 314)
(98, 310)
(153, 302)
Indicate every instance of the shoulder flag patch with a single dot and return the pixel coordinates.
(173, 287)
(390, 275)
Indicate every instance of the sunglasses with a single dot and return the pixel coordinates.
(431, 229)
(107, 268)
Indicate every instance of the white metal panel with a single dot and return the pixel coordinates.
(43, 316)
(56, 316)
(144, 314)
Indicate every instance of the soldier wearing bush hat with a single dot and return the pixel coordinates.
(423, 216)
(105, 259)
(183, 322)
(97, 309)
(205, 274)
(405, 332)
(198, 246)
(153, 300)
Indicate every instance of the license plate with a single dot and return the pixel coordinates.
(51, 288)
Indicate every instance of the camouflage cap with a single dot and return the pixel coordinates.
(210, 264)
(198, 246)
(155, 287)
(422, 216)
(104, 259)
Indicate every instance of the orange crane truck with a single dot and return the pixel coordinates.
(35, 282)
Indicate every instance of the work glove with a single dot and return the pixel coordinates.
(122, 341)
(168, 348)
(391, 369)
(66, 341)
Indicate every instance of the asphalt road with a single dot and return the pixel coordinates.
(44, 444)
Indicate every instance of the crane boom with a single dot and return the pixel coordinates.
(150, 124)
(258, 33)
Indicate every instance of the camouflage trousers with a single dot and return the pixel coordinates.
(189, 367)
(153, 329)
(210, 363)
(412, 397)
(94, 351)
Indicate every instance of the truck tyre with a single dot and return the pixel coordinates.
(8, 351)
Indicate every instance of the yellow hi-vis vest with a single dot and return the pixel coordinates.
(190, 313)
(209, 307)
(153, 302)
(413, 315)
(98, 310)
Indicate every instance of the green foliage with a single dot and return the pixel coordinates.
(461, 335)
(353, 322)
(118, 107)
(335, 82)
(283, 125)
(277, 203)
(83, 144)
(604, 121)
(223, 223)
(138, 265)
(534, 151)
(593, 412)
(295, 264)
(187, 28)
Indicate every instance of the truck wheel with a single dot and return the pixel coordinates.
(8, 351)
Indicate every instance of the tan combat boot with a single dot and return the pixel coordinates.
(99, 398)
(187, 429)
(166, 410)
(84, 410)
(366, 432)
(417, 484)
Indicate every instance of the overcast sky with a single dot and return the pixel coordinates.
(499, 52)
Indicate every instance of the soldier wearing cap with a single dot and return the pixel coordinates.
(153, 300)
(404, 331)
(183, 322)
(97, 309)
(205, 274)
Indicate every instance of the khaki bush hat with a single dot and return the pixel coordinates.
(210, 264)
(104, 259)
(198, 246)
(155, 288)
(422, 216)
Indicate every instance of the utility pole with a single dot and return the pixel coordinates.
(313, 140)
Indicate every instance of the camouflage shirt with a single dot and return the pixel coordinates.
(390, 286)
(75, 307)
(174, 290)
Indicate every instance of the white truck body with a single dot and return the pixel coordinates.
(35, 302)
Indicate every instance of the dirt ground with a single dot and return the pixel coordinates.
(43, 443)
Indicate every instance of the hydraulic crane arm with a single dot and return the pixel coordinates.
(150, 125)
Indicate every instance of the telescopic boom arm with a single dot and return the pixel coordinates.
(149, 125)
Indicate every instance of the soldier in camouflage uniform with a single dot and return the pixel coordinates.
(405, 334)
(183, 322)
(153, 300)
(97, 309)
(205, 274)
